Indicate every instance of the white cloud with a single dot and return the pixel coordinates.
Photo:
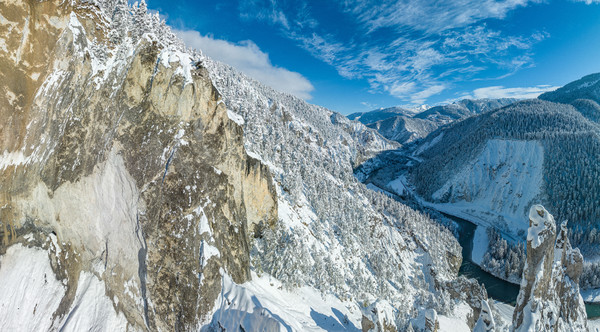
(421, 96)
(432, 16)
(266, 10)
(502, 92)
(320, 47)
(369, 106)
(588, 2)
(401, 88)
(411, 49)
(249, 59)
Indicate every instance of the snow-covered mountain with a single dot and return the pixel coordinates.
(385, 113)
(491, 167)
(583, 94)
(334, 234)
(146, 187)
(126, 194)
(405, 126)
(404, 129)
(462, 109)
(495, 164)
(129, 201)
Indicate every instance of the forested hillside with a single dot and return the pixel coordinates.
(571, 145)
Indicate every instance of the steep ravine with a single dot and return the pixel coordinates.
(118, 160)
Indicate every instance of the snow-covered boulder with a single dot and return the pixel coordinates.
(379, 317)
(486, 322)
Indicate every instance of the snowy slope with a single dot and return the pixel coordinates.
(480, 245)
(153, 198)
(504, 159)
(29, 290)
(499, 186)
(488, 168)
(334, 235)
(30, 294)
(123, 169)
(262, 304)
(384, 114)
(462, 109)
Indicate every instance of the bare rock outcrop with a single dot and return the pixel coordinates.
(549, 299)
(118, 158)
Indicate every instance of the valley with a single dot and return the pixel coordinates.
(145, 186)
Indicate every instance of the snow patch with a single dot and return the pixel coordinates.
(480, 245)
(203, 226)
(75, 26)
(452, 324)
(540, 220)
(29, 290)
(208, 252)
(398, 185)
(235, 117)
(594, 325)
(92, 310)
(171, 55)
(15, 158)
(3, 20)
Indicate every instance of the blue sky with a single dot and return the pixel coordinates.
(358, 55)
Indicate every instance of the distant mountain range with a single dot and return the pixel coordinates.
(407, 125)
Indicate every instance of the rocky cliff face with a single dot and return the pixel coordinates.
(118, 160)
(549, 298)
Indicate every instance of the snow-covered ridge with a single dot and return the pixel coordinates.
(588, 87)
(405, 126)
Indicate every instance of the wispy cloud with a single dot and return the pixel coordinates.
(502, 92)
(368, 105)
(421, 96)
(249, 59)
(411, 49)
(265, 10)
(588, 2)
(432, 16)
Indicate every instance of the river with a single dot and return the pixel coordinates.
(496, 288)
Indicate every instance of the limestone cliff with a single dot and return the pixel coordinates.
(549, 298)
(118, 158)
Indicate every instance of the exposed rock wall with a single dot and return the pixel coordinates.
(127, 158)
(549, 298)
